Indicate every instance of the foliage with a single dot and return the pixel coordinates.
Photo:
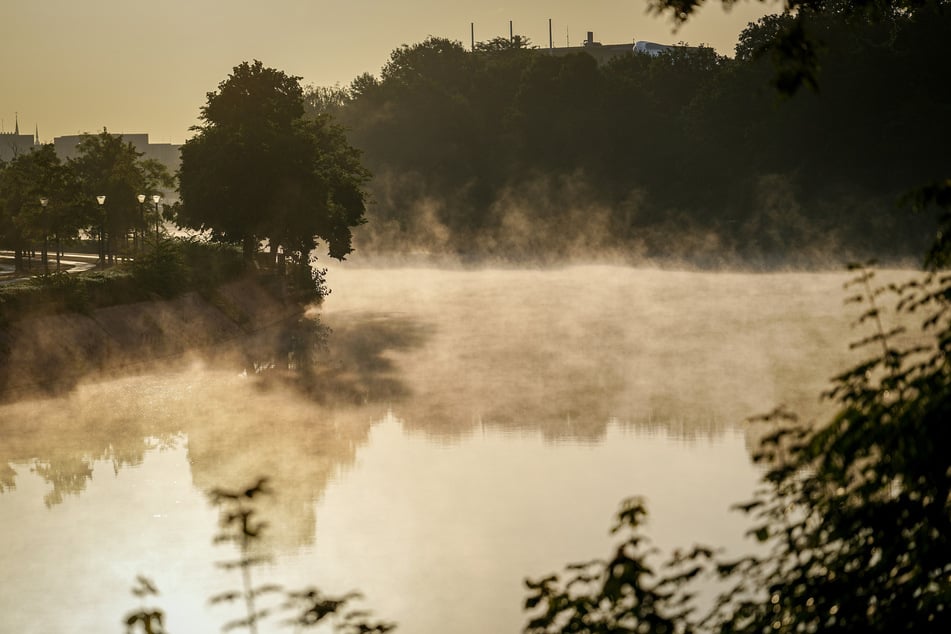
(168, 268)
(239, 524)
(856, 513)
(308, 608)
(69, 289)
(319, 100)
(105, 166)
(684, 155)
(794, 46)
(618, 596)
(150, 619)
(312, 607)
(60, 292)
(209, 264)
(24, 220)
(935, 195)
(108, 166)
(162, 269)
(258, 169)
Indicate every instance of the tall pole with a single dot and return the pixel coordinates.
(44, 201)
(551, 42)
(472, 35)
(511, 32)
(102, 229)
(140, 233)
(155, 199)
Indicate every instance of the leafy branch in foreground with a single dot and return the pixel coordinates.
(239, 525)
(621, 595)
(855, 513)
(309, 607)
(151, 620)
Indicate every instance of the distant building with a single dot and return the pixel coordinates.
(166, 153)
(12, 144)
(603, 53)
(653, 49)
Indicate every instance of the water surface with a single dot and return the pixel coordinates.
(476, 427)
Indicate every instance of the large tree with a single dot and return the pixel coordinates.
(258, 169)
(108, 166)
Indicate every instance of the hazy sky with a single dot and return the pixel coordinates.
(72, 66)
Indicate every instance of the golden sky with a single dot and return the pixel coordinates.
(71, 66)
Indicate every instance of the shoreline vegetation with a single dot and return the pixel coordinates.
(185, 297)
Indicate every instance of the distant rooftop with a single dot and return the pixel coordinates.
(605, 52)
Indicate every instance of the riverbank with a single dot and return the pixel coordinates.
(49, 352)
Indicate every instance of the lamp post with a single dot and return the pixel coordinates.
(155, 199)
(44, 201)
(141, 233)
(102, 229)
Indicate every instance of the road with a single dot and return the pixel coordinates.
(75, 263)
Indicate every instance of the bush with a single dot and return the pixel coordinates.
(210, 264)
(162, 270)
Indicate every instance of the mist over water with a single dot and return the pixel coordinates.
(475, 427)
(565, 351)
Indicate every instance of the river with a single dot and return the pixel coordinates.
(476, 427)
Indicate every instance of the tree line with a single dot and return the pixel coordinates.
(257, 172)
(509, 150)
(104, 193)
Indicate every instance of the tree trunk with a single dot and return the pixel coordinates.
(249, 248)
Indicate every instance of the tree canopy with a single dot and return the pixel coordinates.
(515, 152)
(105, 165)
(108, 166)
(258, 169)
(23, 182)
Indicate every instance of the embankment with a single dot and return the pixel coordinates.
(241, 322)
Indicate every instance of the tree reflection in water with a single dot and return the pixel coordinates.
(447, 355)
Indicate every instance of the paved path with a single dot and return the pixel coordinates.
(77, 263)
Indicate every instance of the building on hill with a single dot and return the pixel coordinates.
(653, 49)
(603, 53)
(12, 144)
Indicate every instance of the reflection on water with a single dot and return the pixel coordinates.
(465, 430)
(432, 533)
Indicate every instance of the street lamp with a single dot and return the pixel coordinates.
(44, 201)
(102, 229)
(141, 199)
(155, 199)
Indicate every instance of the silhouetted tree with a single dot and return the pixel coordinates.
(258, 169)
(23, 219)
(108, 166)
(688, 147)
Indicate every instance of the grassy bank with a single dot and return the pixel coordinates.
(169, 269)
